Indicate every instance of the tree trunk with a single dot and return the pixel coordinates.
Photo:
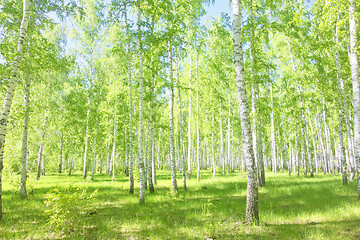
(261, 160)
(171, 120)
(212, 148)
(94, 155)
(39, 158)
(222, 143)
(340, 131)
(252, 209)
(130, 145)
(11, 89)
(198, 137)
(309, 161)
(181, 135)
(152, 127)
(24, 148)
(86, 141)
(113, 153)
(189, 127)
(142, 176)
(70, 164)
(229, 139)
(297, 160)
(356, 87)
(61, 150)
(273, 145)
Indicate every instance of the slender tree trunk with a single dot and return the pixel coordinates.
(152, 127)
(151, 156)
(314, 145)
(309, 161)
(356, 87)
(261, 160)
(86, 141)
(40, 155)
(113, 154)
(11, 89)
(142, 176)
(94, 154)
(189, 127)
(252, 209)
(171, 119)
(130, 145)
(101, 162)
(327, 139)
(340, 131)
(273, 145)
(222, 143)
(61, 150)
(229, 138)
(254, 122)
(181, 134)
(253, 98)
(212, 147)
(297, 149)
(198, 136)
(24, 148)
(70, 164)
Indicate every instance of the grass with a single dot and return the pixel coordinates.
(291, 207)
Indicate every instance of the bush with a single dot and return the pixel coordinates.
(65, 207)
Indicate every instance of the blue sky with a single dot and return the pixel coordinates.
(219, 6)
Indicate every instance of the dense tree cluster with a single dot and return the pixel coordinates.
(128, 87)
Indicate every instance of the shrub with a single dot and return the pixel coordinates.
(66, 206)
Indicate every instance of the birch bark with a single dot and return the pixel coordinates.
(11, 89)
(252, 209)
(356, 87)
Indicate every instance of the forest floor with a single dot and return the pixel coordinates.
(291, 207)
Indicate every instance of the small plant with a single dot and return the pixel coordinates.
(211, 224)
(65, 206)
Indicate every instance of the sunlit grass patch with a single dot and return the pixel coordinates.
(291, 207)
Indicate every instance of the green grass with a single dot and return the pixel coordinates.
(291, 207)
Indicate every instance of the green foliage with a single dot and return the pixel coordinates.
(66, 206)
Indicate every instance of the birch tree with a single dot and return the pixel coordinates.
(356, 87)
(11, 88)
(252, 209)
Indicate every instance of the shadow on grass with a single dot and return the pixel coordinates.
(212, 208)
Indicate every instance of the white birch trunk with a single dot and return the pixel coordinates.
(130, 142)
(229, 138)
(340, 101)
(171, 120)
(356, 87)
(61, 153)
(24, 148)
(252, 209)
(273, 146)
(222, 143)
(113, 154)
(189, 127)
(182, 150)
(212, 148)
(142, 176)
(94, 155)
(86, 141)
(198, 137)
(11, 89)
(40, 155)
(152, 128)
